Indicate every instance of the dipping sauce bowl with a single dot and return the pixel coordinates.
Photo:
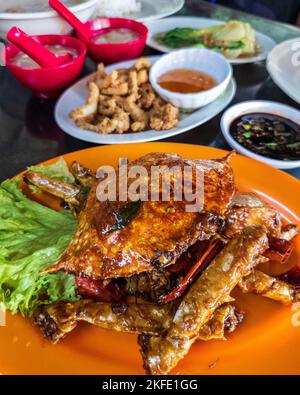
(48, 82)
(197, 59)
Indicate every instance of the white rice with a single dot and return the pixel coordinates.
(118, 8)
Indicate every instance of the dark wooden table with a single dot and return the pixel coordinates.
(29, 134)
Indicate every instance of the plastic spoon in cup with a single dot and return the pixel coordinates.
(35, 50)
(80, 27)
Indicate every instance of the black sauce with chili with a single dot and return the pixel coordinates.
(268, 135)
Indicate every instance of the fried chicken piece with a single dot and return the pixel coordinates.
(164, 117)
(146, 96)
(139, 117)
(139, 126)
(91, 126)
(123, 121)
(162, 353)
(142, 76)
(133, 84)
(87, 112)
(107, 105)
(142, 63)
(119, 123)
(136, 113)
(105, 126)
(106, 80)
(121, 89)
(100, 74)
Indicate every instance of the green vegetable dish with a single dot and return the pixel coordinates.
(233, 39)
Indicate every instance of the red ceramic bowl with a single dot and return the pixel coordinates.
(112, 53)
(48, 82)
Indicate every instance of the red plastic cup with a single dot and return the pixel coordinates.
(48, 82)
(118, 52)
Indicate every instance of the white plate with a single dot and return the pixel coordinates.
(283, 64)
(76, 96)
(155, 27)
(155, 9)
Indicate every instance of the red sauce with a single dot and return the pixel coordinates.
(186, 81)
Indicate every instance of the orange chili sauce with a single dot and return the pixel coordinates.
(186, 81)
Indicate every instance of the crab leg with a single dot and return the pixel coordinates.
(270, 287)
(83, 175)
(58, 319)
(63, 190)
(207, 294)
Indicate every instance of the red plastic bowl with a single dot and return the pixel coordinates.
(112, 53)
(48, 82)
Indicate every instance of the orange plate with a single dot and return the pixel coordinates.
(266, 343)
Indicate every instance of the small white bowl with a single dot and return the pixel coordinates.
(264, 107)
(200, 59)
(45, 22)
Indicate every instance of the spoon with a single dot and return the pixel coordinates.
(41, 55)
(80, 27)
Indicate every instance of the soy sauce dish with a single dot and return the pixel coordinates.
(191, 78)
(264, 130)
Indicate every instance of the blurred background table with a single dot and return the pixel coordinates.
(29, 134)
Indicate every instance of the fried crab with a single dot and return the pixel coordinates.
(167, 274)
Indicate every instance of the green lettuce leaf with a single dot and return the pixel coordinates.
(32, 238)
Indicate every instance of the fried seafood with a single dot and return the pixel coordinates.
(83, 175)
(88, 111)
(247, 209)
(270, 287)
(69, 193)
(59, 319)
(156, 269)
(210, 291)
(159, 232)
(124, 101)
